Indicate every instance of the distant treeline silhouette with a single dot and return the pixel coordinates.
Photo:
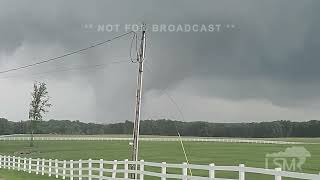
(164, 127)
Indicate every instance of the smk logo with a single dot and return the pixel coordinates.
(291, 159)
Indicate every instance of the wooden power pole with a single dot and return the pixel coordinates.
(136, 128)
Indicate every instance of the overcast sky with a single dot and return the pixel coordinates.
(262, 64)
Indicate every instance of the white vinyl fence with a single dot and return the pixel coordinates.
(101, 169)
(71, 138)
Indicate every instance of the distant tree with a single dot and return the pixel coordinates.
(6, 127)
(283, 128)
(38, 107)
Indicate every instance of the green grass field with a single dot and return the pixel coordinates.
(252, 155)
(14, 175)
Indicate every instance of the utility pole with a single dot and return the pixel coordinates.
(136, 128)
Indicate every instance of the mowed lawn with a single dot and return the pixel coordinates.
(252, 155)
(14, 175)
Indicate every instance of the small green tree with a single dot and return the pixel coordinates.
(38, 107)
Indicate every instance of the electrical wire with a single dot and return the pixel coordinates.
(134, 38)
(96, 66)
(182, 116)
(67, 54)
(175, 123)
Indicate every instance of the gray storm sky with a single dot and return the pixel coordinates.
(264, 68)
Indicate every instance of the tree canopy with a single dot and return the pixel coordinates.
(282, 128)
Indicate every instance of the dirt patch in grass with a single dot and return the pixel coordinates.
(26, 152)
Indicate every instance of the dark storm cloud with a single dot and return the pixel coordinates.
(271, 54)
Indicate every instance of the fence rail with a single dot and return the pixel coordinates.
(120, 170)
(226, 140)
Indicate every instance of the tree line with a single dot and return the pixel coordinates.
(282, 128)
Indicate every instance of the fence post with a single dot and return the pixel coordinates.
(64, 169)
(50, 167)
(25, 164)
(241, 172)
(13, 162)
(8, 162)
(211, 171)
(163, 170)
(42, 166)
(56, 168)
(126, 169)
(4, 162)
(19, 163)
(141, 169)
(71, 169)
(184, 171)
(37, 168)
(90, 169)
(1, 161)
(30, 165)
(101, 169)
(80, 169)
(278, 177)
(114, 169)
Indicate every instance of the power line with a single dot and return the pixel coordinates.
(67, 54)
(134, 38)
(96, 66)
(175, 123)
